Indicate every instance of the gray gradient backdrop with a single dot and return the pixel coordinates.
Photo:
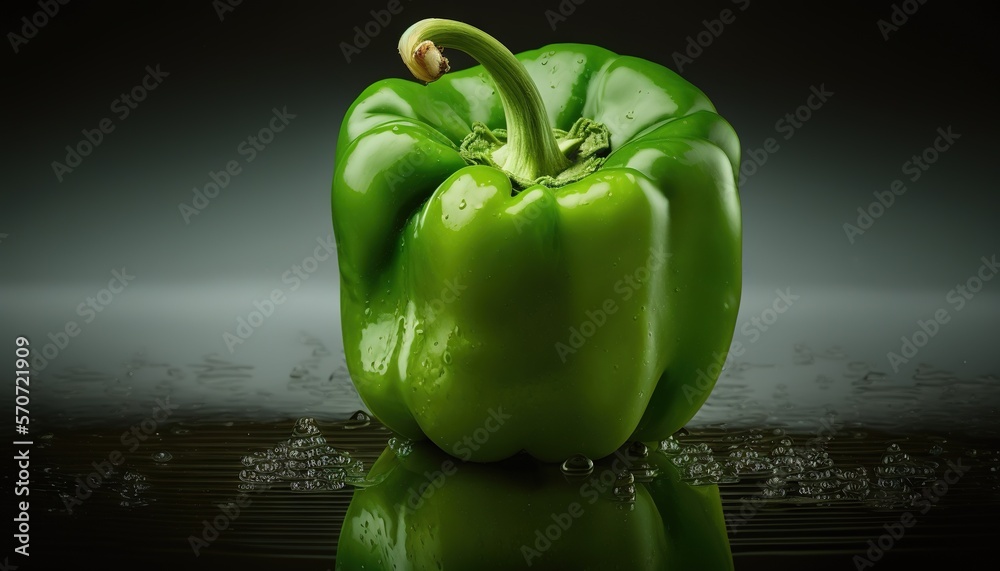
(60, 241)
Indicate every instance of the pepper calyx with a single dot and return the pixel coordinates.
(586, 145)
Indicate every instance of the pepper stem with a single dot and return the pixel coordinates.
(531, 150)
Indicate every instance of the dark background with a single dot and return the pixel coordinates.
(228, 69)
(120, 206)
(59, 241)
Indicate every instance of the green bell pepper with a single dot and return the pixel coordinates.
(542, 253)
(426, 510)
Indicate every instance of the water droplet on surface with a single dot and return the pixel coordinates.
(630, 115)
(626, 492)
(670, 445)
(305, 427)
(462, 204)
(624, 488)
(400, 446)
(577, 465)
(638, 450)
(644, 472)
(359, 419)
(162, 456)
(446, 358)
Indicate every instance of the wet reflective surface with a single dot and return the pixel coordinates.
(422, 509)
(892, 471)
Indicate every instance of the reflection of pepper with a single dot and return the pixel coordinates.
(581, 277)
(429, 511)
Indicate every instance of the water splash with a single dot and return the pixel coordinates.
(697, 464)
(800, 470)
(133, 490)
(304, 462)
